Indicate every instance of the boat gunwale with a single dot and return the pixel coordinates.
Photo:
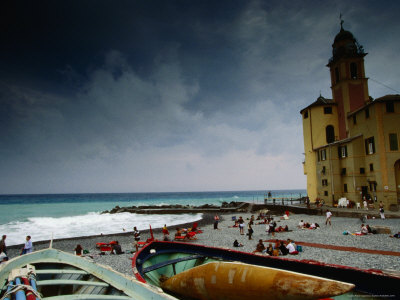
(126, 284)
(310, 267)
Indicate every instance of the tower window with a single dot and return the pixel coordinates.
(323, 154)
(330, 134)
(324, 182)
(353, 70)
(345, 187)
(390, 106)
(354, 119)
(305, 114)
(328, 110)
(394, 146)
(372, 186)
(343, 172)
(342, 151)
(367, 113)
(370, 146)
(371, 167)
(337, 74)
(362, 170)
(325, 193)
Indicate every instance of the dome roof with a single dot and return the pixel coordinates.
(344, 35)
(345, 46)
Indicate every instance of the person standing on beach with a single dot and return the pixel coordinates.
(365, 203)
(3, 247)
(250, 229)
(165, 230)
(241, 225)
(216, 220)
(381, 210)
(28, 247)
(328, 217)
(136, 235)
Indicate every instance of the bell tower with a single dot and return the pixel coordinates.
(348, 82)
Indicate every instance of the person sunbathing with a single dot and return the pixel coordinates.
(291, 247)
(235, 225)
(363, 231)
(116, 248)
(178, 232)
(260, 247)
(190, 235)
(270, 249)
(263, 221)
(283, 249)
(301, 224)
(237, 244)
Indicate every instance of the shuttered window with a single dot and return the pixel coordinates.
(369, 146)
(394, 145)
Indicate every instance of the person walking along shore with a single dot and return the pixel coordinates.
(328, 217)
(3, 247)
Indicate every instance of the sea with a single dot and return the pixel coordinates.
(55, 216)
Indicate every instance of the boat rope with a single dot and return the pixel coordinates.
(20, 287)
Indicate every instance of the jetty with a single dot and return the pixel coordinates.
(296, 206)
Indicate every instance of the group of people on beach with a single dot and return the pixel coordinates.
(278, 248)
(306, 225)
(365, 229)
(28, 247)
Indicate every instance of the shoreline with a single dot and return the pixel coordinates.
(205, 220)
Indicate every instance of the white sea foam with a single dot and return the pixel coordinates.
(42, 228)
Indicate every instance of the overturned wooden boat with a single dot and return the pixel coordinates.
(235, 281)
(54, 275)
(159, 262)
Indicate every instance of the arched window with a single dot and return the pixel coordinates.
(330, 134)
(353, 70)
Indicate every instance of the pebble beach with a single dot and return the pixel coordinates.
(225, 235)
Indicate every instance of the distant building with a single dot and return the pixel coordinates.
(351, 142)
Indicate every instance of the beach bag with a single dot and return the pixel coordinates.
(299, 248)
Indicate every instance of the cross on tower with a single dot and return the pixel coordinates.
(341, 21)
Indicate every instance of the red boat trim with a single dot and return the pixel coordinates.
(343, 248)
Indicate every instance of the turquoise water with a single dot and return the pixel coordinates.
(69, 215)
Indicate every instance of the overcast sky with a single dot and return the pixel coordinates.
(152, 96)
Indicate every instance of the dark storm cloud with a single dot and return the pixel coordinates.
(170, 95)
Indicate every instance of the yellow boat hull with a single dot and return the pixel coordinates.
(234, 280)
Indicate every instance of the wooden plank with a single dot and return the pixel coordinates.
(70, 282)
(61, 271)
(87, 296)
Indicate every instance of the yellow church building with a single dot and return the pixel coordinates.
(351, 142)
